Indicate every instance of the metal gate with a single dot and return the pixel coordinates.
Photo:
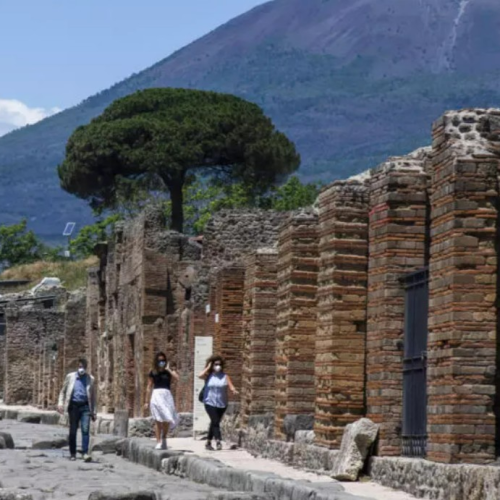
(414, 434)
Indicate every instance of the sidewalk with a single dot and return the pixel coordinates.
(240, 459)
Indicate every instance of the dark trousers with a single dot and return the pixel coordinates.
(79, 414)
(215, 415)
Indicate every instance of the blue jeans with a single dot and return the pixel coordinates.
(79, 414)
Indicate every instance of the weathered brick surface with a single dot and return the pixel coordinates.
(463, 323)
(342, 298)
(31, 335)
(397, 238)
(259, 334)
(296, 317)
(228, 338)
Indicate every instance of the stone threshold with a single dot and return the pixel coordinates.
(425, 479)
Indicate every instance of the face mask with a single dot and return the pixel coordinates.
(81, 371)
(162, 364)
(217, 368)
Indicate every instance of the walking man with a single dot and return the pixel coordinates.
(77, 398)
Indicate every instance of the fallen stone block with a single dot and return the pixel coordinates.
(294, 423)
(9, 442)
(356, 443)
(138, 495)
(50, 444)
(29, 417)
(3, 445)
(52, 418)
(108, 446)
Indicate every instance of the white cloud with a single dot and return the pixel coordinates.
(14, 114)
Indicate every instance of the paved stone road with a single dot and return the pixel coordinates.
(48, 474)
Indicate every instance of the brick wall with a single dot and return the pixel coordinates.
(397, 236)
(259, 334)
(342, 298)
(228, 337)
(296, 317)
(463, 323)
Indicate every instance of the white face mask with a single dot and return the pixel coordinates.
(81, 371)
(217, 368)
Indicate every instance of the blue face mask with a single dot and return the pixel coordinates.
(162, 364)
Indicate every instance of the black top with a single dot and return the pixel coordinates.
(161, 380)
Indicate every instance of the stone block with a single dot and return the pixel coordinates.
(356, 444)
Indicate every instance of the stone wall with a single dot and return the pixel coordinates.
(342, 297)
(31, 374)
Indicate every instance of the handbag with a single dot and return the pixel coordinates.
(201, 395)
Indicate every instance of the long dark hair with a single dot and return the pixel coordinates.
(156, 358)
(212, 359)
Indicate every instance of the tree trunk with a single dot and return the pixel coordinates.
(176, 197)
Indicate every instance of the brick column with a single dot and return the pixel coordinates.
(228, 339)
(259, 329)
(463, 290)
(296, 312)
(397, 238)
(342, 297)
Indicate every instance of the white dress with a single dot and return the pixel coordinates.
(162, 406)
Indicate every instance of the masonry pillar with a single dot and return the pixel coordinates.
(296, 319)
(397, 239)
(342, 298)
(228, 338)
(463, 324)
(259, 330)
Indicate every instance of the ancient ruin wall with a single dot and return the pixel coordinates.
(296, 317)
(31, 335)
(463, 323)
(259, 334)
(397, 238)
(342, 300)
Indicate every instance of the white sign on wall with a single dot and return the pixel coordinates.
(217, 318)
(202, 351)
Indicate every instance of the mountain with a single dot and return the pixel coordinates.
(350, 81)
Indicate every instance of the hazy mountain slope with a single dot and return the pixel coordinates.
(350, 81)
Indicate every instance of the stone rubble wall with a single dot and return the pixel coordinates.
(425, 479)
(31, 376)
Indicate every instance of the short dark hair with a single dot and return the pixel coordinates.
(83, 362)
(214, 358)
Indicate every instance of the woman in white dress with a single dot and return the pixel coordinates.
(161, 402)
(215, 399)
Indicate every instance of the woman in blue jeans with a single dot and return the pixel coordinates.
(215, 397)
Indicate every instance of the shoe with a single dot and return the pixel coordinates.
(164, 444)
(87, 457)
(209, 447)
(72, 458)
(159, 446)
(219, 445)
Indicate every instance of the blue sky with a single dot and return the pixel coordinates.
(54, 53)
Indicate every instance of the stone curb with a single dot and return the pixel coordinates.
(218, 475)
